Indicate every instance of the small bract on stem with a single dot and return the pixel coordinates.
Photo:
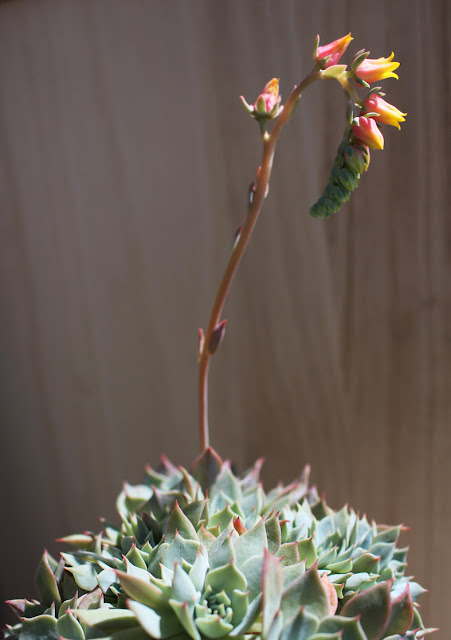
(361, 134)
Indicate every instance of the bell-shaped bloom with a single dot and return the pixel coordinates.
(334, 49)
(367, 131)
(267, 103)
(388, 113)
(377, 69)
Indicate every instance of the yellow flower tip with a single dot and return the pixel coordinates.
(272, 87)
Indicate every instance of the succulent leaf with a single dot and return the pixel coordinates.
(208, 554)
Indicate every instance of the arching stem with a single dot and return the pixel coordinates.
(262, 184)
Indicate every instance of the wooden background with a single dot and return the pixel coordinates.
(125, 158)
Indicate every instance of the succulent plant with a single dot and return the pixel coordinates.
(208, 554)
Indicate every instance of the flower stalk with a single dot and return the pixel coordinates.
(361, 135)
(256, 203)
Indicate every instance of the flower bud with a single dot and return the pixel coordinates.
(354, 159)
(216, 337)
(268, 102)
(367, 131)
(388, 113)
(332, 51)
(377, 69)
(348, 178)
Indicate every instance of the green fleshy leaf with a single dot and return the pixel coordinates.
(180, 549)
(156, 626)
(388, 534)
(206, 468)
(333, 72)
(67, 604)
(327, 636)
(384, 550)
(213, 626)
(206, 538)
(303, 625)
(249, 619)
(292, 572)
(288, 553)
(85, 576)
(251, 543)
(222, 518)
(178, 522)
(69, 628)
(106, 619)
(350, 627)
(306, 591)
(252, 504)
(143, 591)
(367, 562)
(183, 589)
(184, 613)
(78, 540)
(136, 558)
(327, 558)
(272, 585)
(343, 566)
(43, 626)
(358, 580)
(196, 512)
(239, 603)
(199, 569)
(276, 627)
(228, 576)
(252, 570)
(106, 579)
(46, 582)
(402, 613)
(307, 552)
(373, 605)
(26, 608)
(228, 484)
(222, 551)
(91, 600)
(132, 498)
(273, 533)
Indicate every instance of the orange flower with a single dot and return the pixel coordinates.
(377, 69)
(334, 49)
(388, 113)
(367, 131)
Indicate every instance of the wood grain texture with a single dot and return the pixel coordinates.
(125, 159)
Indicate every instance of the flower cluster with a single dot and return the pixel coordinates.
(365, 117)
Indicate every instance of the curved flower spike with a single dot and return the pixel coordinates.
(377, 69)
(388, 113)
(367, 131)
(334, 50)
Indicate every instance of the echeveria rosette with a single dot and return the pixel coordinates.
(208, 554)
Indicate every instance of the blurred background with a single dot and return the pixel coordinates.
(125, 159)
